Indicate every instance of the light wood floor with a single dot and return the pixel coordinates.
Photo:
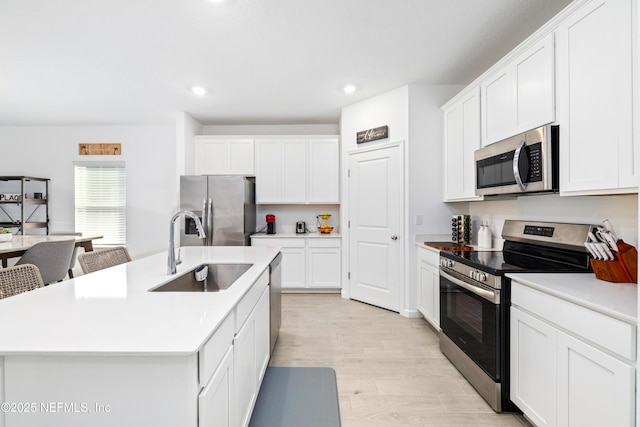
(389, 368)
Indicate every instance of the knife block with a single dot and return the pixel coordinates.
(623, 269)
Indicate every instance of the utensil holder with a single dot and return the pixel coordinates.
(623, 269)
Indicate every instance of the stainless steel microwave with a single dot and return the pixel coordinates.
(523, 164)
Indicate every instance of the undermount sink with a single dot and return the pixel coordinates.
(220, 277)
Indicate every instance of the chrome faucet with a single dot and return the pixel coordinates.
(171, 261)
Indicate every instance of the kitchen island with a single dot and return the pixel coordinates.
(103, 350)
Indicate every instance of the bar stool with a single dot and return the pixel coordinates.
(18, 279)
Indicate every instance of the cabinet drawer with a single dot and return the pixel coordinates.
(246, 304)
(429, 256)
(214, 349)
(286, 242)
(609, 333)
(323, 242)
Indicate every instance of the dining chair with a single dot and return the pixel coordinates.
(51, 258)
(99, 260)
(18, 279)
(74, 256)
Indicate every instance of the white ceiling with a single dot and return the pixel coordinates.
(86, 62)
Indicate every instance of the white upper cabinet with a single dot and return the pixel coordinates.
(297, 170)
(216, 155)
(519, 95)
(498, 106)
(324, 170)
(461, 139)
(595, 110)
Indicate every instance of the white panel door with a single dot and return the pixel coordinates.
(461, 140)
(498, 96)
(533, 367)
(268, 171)
(241, 157)
(595, 98)
(215, 407)
(375, 204)
(594, 389)
(534, 74)
(294, 171)
(324, 171)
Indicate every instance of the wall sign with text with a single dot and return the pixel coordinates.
(99, 149)
(374, 134)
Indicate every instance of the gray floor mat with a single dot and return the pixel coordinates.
(297, 397)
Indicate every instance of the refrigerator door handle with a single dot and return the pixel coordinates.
(205, 225)
(210, 225)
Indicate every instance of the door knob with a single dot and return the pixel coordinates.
(394, 237)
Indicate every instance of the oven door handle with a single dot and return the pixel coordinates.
(493, 296)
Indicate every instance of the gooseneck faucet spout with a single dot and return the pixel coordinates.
(171, 261)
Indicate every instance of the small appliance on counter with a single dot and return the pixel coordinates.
(271, 224)
(301, 227)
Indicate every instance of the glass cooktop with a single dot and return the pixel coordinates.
(500, 262)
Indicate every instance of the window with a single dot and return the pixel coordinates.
(100, 199)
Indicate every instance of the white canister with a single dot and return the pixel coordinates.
(484, 237)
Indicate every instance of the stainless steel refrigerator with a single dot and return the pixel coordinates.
(224, 204)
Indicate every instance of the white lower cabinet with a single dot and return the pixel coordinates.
(429, 285)
(215, 401)
(594, 388)
(250, 357)
(308, 263)
(562, 371)
(533, 368)
(323, 263)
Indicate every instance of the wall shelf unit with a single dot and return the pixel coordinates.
(24, 203)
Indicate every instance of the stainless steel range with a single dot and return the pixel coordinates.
(475, 296)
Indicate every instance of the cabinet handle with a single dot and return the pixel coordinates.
(394, 237)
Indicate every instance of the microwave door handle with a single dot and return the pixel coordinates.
(516, 168)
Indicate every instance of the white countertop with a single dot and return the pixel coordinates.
(313, 234)
(618, 300)
(112, 312)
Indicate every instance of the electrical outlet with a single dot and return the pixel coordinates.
(418, 219)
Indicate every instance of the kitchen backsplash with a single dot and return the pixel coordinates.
(621, 210)
(288, 215)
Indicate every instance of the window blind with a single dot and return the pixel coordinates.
(100, 202)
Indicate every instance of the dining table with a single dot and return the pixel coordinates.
(19, 244)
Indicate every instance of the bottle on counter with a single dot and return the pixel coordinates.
(484, 236)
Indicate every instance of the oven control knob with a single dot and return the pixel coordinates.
(448, 263)
(482, 277)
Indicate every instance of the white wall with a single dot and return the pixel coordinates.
(149, 155)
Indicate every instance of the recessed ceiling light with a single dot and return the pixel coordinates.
(349, 89)
(199, 90)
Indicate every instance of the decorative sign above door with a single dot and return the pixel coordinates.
(99, 149)
(374, 134)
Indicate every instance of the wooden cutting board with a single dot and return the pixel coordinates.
(448, 246)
